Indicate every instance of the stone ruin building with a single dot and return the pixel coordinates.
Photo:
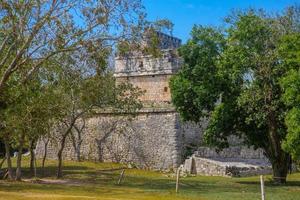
(155, 138)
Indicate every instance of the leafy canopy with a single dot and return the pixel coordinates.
(246, 80)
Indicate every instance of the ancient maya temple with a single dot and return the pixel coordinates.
(155, 138)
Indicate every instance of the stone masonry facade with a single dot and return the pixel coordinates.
(155, 138)
(150, 74)
(155, 86)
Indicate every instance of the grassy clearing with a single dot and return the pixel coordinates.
(88, 180)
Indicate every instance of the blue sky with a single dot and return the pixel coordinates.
(185, 13)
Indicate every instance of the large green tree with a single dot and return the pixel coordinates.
(26, 116)
(35, 37)
(36, 32)
(290, 54)
(83, 96)
(233, 77)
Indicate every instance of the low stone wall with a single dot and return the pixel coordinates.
(234, 161)
(154, 139)
(233, 168)
(241, 152)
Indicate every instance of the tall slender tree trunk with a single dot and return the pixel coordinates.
(59, 155)
(78, 153)
(35, 166)
(7, 154)
(278, 158)
(77, 141)
(59, 167)
(32, 157)
(76, 145)
(2, 162)
(63, 142)
(19, 158)
(45, 154)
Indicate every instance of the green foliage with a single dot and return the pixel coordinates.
(55, 77)
(290, 54)
(29, 111)
(236, 78)
(197, 86)
(292, 142)
(289, 50)
(27, 45)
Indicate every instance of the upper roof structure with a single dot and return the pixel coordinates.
(167, 41)
(139, 64)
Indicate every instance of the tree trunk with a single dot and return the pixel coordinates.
(278, 158)
(62, 145)
(76, 145)
(59, 167)
(78, 153)
(77, 148)
(32, 157)
(35, 165)
(280, 168)
(2, 162)
(77, 141)
(59, 155)
(7, 154)
(45, 155)
(19, 158)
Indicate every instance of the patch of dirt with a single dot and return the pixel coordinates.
(54, 181)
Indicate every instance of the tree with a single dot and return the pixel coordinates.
(290, 54)
(36, 35)
(233, 77)
(35, 32)
(77, 138)
(81, 95)
(4, 136)
(27, 117)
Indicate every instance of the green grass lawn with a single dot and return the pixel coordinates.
(88, 180)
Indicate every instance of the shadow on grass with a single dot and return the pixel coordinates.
(50, 171)
(270, 183)
(11, 186)
(56, 189)
(188, 186)
(91, 176)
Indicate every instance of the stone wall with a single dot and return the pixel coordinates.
(232, 168)
(233, 161)
(156, 87)
(154, 139)
(139, 65)
(241, 152)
